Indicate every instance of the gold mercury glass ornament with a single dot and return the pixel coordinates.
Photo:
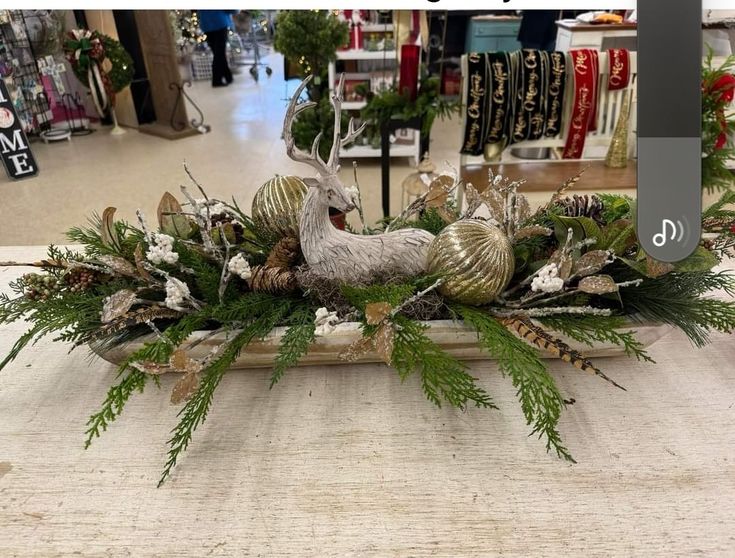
(475, 259)
(277, 205)
(417, 183)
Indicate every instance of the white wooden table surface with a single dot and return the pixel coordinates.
(346, 461)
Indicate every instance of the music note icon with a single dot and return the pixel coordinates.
(659, 239)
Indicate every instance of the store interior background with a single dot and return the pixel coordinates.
(243, 150)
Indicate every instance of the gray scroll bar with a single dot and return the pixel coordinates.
(669, 127)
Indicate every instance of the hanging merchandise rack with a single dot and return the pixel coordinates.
(20, 72)
(37, 81)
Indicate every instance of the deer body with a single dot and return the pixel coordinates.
(339, 255)
(354, 258)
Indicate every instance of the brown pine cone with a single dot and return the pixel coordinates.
(272, 280)
(285, 253)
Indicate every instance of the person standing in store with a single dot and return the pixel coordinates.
(538, 29)
(216, 24)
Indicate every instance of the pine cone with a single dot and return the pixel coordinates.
(272, 280)
(285, 253)
(583, 206)
(234, 231)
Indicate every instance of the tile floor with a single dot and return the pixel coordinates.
(243, 150)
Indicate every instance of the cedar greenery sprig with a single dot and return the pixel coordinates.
(443, 377)
(541, 401)
(158, 351)
(295, 342)
(196, 409)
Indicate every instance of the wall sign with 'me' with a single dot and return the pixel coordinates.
(15, 150)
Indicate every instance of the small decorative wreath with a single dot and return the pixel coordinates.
(101, 63)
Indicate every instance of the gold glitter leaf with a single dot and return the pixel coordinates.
(357, 349)
(117, 305)
(523, 208)
(437, 195)
(376, 312)
(474, 200)
(384, 340)
(185, 388)
(598, 284)
(179, 360)
(591, 262)
(655, 268)
(495, 203)
(121, 266)
(535, 230)
(445, 214)
(443, 181)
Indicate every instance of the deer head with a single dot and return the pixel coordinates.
(331, 191)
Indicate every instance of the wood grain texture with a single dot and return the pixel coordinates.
(345, 461)
(547, 176)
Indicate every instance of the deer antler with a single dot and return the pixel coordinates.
(338, 141)
(294, 109)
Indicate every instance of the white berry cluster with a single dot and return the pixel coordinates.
(161, 249)
(547, 279)
(176, 293)
(239, 266)
(215, 207)
(325, 322)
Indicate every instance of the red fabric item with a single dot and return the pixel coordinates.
(356, 37)
(618, 60)
(408, 83)
(585, 100)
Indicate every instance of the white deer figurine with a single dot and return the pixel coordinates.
(336, 254)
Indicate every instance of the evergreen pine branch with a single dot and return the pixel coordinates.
(598, 329)
(676, 299)
(540, 399)
(246, 307)
(159, 351)
(72, 314)
(717, 208)
(394, 295)
(117, 397)
(196, 409)
(89, 236)
(615, 206)
(20, 344)
(443, 377)
(295, 342)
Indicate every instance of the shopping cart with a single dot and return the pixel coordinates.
(252, 38)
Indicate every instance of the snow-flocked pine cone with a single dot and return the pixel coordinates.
(583, 206)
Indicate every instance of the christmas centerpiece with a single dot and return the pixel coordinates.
(211, 287)
(101, 64)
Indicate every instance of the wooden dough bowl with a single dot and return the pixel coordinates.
(455, 338)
